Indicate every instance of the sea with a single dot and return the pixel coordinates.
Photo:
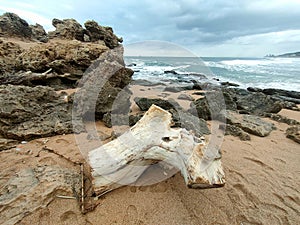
(268, 72)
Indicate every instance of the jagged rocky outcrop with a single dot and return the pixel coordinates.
(103, 87)
(11, 25)
(39, 33)
(27, 113)
(68, 29)
(106, 34)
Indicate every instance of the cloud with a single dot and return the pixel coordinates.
(212, 27)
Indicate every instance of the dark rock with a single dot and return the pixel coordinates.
(258, 104)
(250, 124)
(68, 29)
(185, 97)
(111, 120)
(145, 103)
(213, 105)
(97, 32)
(294, 133)
(236, 132)
(228, 84)
(173, 89)
(282, 119)
(280, 92)
(171, 72)
(190, 122)
(11, 25)
(39, 33)
(131, 65)
(103, 87)
(27, 113)
(254, 89)
(146, 83)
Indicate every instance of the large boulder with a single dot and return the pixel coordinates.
(27, 113)
(39, 33)
(67, 29)
(104, 86)
(145, 103)
(106, 34)
(11, 25)
(250, 124)
(62, 57)
(213, 105)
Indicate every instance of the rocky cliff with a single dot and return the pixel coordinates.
(34, 64)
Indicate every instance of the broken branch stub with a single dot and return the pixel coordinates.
(123, 160)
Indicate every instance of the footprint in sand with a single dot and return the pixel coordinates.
(62, 141)
(44, 216)
(68, 218)
(131, 216)
(159, 188)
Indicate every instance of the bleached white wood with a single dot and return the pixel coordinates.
(123, 160)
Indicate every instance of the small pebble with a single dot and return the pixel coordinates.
(24, 142)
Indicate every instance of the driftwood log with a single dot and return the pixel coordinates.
(123, 160)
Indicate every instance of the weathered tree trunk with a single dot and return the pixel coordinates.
(123, 160)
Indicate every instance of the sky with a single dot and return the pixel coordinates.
(240, 28)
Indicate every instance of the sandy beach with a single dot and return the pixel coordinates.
(47, 132)
(262, 179)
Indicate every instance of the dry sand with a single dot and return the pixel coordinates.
(262, 184)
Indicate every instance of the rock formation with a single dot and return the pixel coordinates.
(123, 160)
(27, 113)
(9, 53)
(106, 34)
(68, 29)
(34, 188)
(39, 33)
(11, 25)
(103, 87)
(62, 57)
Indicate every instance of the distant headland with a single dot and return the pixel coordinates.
(286, 55)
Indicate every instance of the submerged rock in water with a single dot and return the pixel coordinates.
(27, 113)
